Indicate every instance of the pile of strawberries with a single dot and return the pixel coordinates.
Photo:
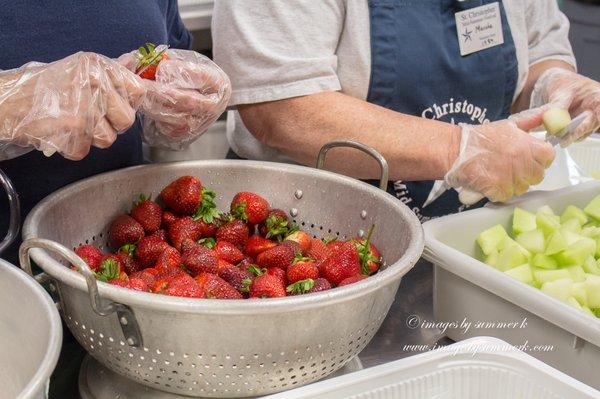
(184, 246)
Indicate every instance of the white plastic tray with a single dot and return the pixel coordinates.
(467, 289)
(587, 154)
(478, 368)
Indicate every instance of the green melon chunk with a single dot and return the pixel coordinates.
(556, 243)
(522, 273)
(574, 303)
(573, 212)
(597, 254)
(533, 241)
(545, 276)
(559, 289)
(592, 287)
(545, 209)
(576, 253)
(570, 237)
(547, 223)
(590, 265)
(579, 292)
(593, 208)
(577, 273)
(510, 257)
(571, 225)
(544, 262)
(556, 119)
(492, 259)
(590, 231)
(489, 239)
(523, 221)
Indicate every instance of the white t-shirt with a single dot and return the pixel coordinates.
(277, 49)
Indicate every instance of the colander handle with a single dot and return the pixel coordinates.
(102, 307)
(383, 180)
(15, 212)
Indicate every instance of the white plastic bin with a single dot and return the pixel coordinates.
(478, 368)
(469, 291)
(587, 154)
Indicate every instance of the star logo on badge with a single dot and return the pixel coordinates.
(467, 35)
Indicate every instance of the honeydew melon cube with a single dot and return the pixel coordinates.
(545, 209)
(570, 237)
(556, 119)
(574, 303)
(573, 212)
(590, 231)
(579, 292)
(590, 265)
(576, 253)
(509, 242)
(490, 239)
(592, 287)
(559, 289)
(572, 225)
(533, 241)
(577, 273)
(545, 276)
(523, 221)
(510, 257)
(544, 262)
(492, 259)
(597, 254)
(556, 243)
(547, 223)
(593, 208)
(522, 273)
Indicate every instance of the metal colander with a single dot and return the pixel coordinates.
(221, 348)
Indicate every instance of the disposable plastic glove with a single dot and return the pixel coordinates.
(499, 159)
(188, 95)
(561, 88)
(66, 106)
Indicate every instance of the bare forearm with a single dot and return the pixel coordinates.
(415, 148)
(535, 71)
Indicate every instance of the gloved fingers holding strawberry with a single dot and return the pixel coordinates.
(66, 106)
(186, 93)
(562, 88)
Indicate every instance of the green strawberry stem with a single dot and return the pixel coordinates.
(364, 252)
(128, 249)
(301, 287)
(301, 258)
(109, 270)
(246, 283)
(207, 242)
(207, 210)
(239, 211)
(256, 270)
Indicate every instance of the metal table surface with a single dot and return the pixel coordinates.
(398, 337)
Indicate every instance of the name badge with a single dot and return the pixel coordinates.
(479, 28)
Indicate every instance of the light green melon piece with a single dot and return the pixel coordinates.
(522, 273)
(556, 119)
(545, 209)
(523, 221)
(588, 311)
(559, 289)
(579, 292)
(590, 231)
(545, 276)
(577, 273)
(590, 265)
(544, 262)
(547, 223)
(573, 212)
(593, 208)
(592, 287)
(492, 259)
(556, 243)
(572, 225)
(533, 241)
(576, 253)
(490, 239)
(574, 303)
(510, 257)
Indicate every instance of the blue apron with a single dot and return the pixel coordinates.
(417, 69)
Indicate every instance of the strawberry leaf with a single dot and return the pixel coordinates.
(277, 228)
(207, 210)
(246, 283)
(301, 287)
(364, 252)
(301, 258)
(128, 249)
(239, 211)
(109, 270)
(256, 270)
(208, 242)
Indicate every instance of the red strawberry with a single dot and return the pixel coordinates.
(321, 284)
(302, 269)
(90, 255)
(188, 244)
(280, 256)
(341, 264)
(182, 228)
(302, 238)
(239, 279)
(267, 286)
(183, 195)
(276, 225)
(200, 259)
(168, 274)
(221, 264)
(149, 249)
(334, 245)
(167, 219)
(207, 229)
(369, 255)
(184, 286)
(215, 287)
(352, 280)
(125, 230)
(137, 284)
(162, 234)
(228, 252)
(130, 265)
(294, 246)
(318, 250)
(169, 258)
(148, 213)
(235, 232)
(300, 287)
(145, 275)
(277, 272)
(257, 244)
(110, 268)
(249, 207)
(245, 263)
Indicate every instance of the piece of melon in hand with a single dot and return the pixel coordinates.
(555, 120)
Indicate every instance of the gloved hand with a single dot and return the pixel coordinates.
(499, 159)
(561, 88)
(188, 94)
(66, 106)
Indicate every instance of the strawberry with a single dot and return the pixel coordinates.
(257, 244)
(321, 284)
(145, 275)
(149, 249)
(239, 279)
(169, 258)
(370, 258)
(188, 244)
(276, 225)
(168, 274)
(137, 284)
(183, 195)
(303, 240)
(148, 60)
(249, 207)
(246, 262)
(279, 273)
(302, 269)
(267, 286)
(184, 286)
(341, 264)
(200, 259)
(300, 287)
(129, 263)
(318, 250)
(167, 219)
(215, 287)
(352, 280)
(280, 256)
(90, 255)
(148, 213)
(334, 245)
(182, 228)
(110, 268)
(125, 230)
(228, 252)
(233, 231)
(162, 234)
